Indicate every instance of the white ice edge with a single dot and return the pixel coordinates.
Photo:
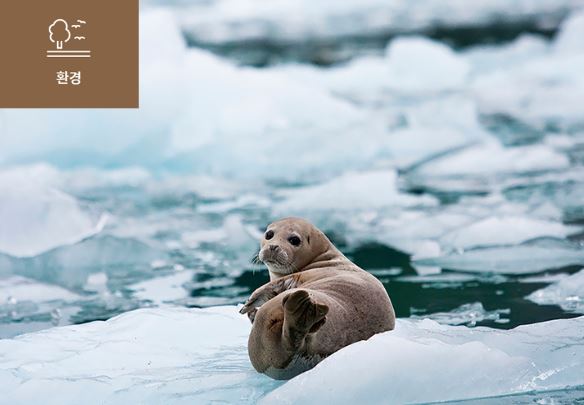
(177, 355)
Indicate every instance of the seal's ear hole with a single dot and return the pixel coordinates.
(308, 239)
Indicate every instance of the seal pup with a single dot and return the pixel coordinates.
(317, 301)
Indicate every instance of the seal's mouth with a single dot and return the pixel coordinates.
(276, 260)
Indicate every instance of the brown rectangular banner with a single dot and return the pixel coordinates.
(69, 54)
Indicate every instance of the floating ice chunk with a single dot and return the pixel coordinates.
(493, 159)
(36, 217)
(544, 278)
(434, 128)
(409, 146)
(163, 44)
(497, 57)
(408, 230)
(36, 174)
(422, 129)
(193, 239)
(529, 257)
(417, 225)
(482, 167)
(97, 282)
(24, 289)
(545, 93)
(351, 191)
(504, 230)
(568, 293)
(163, 289)
(360, 79)
(238, 202)
(27, 305)
(569, 39)
(70, 266)
(565, 194)
(467, 314)
(244, 108)
(440, 280)
(426, 362)
(79, 180)
(453, 112)
(204, 186)
(233, 235)
(83, 179)
(417, 64)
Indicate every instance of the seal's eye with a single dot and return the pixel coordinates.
(294, 240)
(269, 235)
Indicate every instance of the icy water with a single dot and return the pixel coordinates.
(449, 164)
(161, 244)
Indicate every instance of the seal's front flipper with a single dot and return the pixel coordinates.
(265, 293)
(302, 315)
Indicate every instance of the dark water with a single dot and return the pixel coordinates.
(224, 275)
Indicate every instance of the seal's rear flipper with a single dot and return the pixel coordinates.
(302, 315)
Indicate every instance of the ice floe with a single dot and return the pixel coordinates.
(505, 230)
(178, 355)
(467, 314)
(426, 362)
(565, 194)
(529, 257)
(16, 288)
(70, 266)
(36, 217)
(482, 168)
(27, 305)
(163, 355)
(163, 289)
(244, 108)
(545, 90)
(570, 35)
(491, 159)
(351, 191)
(417, 64)
(567, 292)
(489, 58)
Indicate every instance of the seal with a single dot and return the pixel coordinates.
(317, 301)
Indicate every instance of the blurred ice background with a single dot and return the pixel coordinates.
(440, 144)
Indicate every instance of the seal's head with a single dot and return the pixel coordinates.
(291, 244)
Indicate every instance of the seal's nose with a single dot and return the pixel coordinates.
(273, 248)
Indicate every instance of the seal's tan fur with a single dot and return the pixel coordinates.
(316, 303)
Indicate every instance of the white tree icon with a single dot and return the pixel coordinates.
(59, 32)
